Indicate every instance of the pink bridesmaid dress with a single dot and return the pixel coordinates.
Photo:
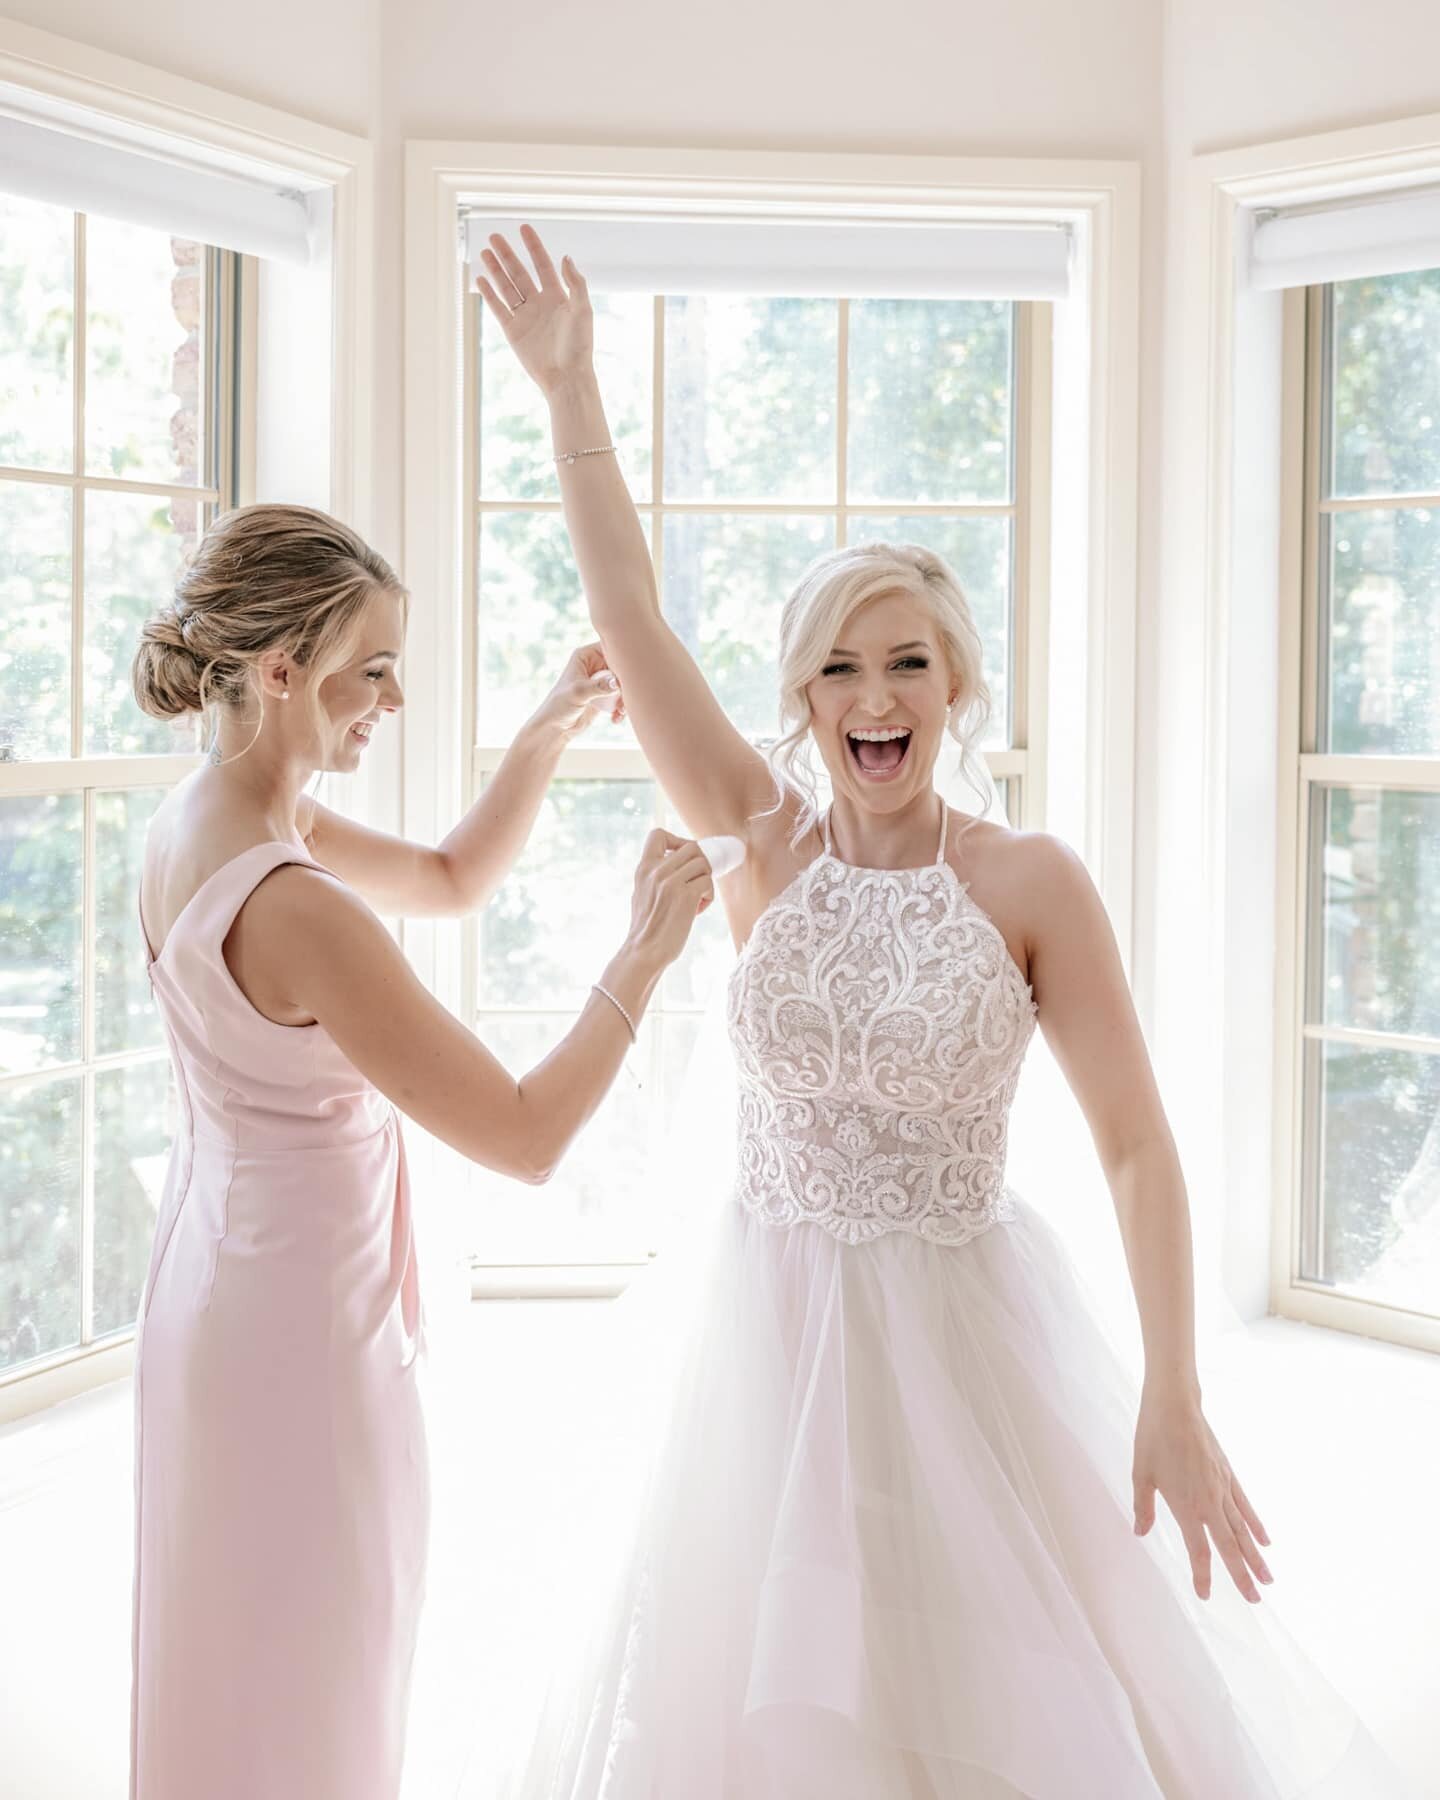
(281, 1483)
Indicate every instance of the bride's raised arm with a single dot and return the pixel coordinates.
(716, 779)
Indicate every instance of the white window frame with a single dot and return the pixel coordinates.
(1304, 772)
(326, 462)
(1087, 772)
(94, 775)
(1020, 763)
(1219, 961)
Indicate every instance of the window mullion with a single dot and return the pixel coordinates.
(1392, 773)
(77, 500)
(1030, 555)
(471, 624)
(1308, 1176)
(1307, 1171)
(108, 484)
(1314, 636)
(842, 423)
(657, 405)
(88, 912)
(657, 448)
(222, 324)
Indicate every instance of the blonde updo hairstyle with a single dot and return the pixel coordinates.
(811, 624)
(263, 578)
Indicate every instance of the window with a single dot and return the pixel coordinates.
(755, 433)
(118, 415)
(1367, 1021)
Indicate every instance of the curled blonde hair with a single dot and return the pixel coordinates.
(263, 578)
(831, 588)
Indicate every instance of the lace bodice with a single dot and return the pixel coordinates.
(879, 1023)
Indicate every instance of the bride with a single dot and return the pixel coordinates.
(902, 1541)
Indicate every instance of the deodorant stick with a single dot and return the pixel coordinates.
(724, 854)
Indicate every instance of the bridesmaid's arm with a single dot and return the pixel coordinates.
(1089, 1021)
(460, 874)
(316, 950)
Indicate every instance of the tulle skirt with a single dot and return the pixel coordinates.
(885, 1551)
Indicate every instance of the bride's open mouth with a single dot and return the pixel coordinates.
(880, 755)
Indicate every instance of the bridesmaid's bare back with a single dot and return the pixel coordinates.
(193, 835)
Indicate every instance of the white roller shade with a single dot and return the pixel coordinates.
(861, 259)
(1299, 246)
(141, 187)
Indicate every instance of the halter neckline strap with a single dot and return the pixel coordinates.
(939, 854)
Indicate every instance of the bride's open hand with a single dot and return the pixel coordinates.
(1177, 1454)
(547, 321)
(586, 688)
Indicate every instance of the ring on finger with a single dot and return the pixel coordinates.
(501, 273)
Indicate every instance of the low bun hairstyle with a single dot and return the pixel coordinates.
(263, 578)
(165, 674)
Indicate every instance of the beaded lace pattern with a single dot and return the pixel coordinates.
(879, 1023)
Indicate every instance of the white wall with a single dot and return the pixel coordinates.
(1046, 79)
(1242, 71)
(313, 57)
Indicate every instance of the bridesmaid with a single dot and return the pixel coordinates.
(281, 1488)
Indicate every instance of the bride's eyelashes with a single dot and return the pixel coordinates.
(913, 663)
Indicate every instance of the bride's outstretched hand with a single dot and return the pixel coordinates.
(1177, 1455)
(547, 320)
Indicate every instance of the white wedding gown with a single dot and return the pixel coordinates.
(886, 1551)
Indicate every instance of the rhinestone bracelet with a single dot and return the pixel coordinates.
(568, 456)
(629, 1022)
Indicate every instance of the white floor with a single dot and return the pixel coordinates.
(1335, 1438)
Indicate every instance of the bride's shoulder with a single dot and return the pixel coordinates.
(1035, 866)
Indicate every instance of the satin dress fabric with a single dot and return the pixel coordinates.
(281, 1476)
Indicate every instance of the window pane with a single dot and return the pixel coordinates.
(1380, 1174)
(34, 621)
(125, 1015)
(978, 550)
(37, 334)
(1384, 623)
(134, 547)
(39, 1220)
(40, 923)
(1381, 876)
(515, 448)
(594, 1210)
(750, 395)
(726, 578)
(1386, 377)
(532, 616)
(144, 293)
(565, 909)
(134, 1120)
(930, 401)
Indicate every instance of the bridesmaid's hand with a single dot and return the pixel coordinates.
(547, 323)
(673, 886)
(587, 687)
(1177, 1454)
